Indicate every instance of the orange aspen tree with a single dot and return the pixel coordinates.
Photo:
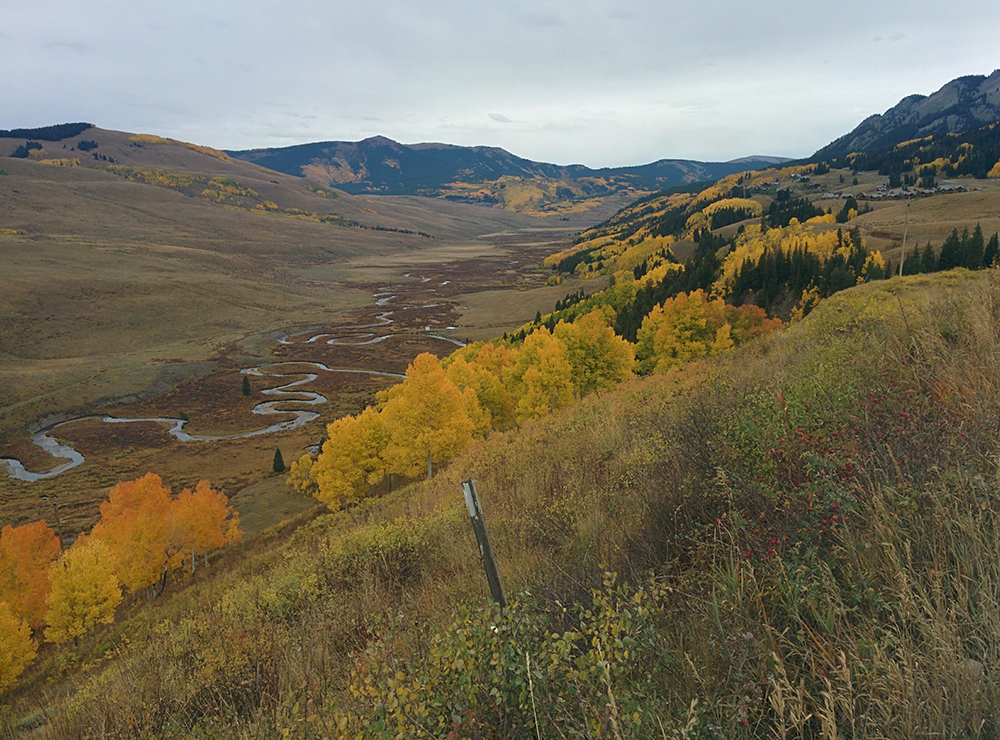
(135, 525)
(26, 553)
(202, 520)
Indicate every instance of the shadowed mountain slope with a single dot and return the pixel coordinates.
(380, 165)
(963, 104)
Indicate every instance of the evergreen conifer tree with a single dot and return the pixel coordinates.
(928, 262)
(279, 463)
(992, 251)
(974, 249)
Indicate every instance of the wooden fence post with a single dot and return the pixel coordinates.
(485, 551)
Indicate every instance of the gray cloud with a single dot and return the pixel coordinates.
(78, 47)
(603, 82)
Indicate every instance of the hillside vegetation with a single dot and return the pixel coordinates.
(795, 539)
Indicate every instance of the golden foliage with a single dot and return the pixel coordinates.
(599, 359)
(301, 476)
(426, 418)
(540, 378)
(351, 460)
(690, 326)
(26, 552)
(17, 649)
(85, 590)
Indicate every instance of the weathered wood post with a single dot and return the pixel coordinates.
(485, 551)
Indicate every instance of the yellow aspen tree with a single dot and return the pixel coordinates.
(302, 476)
(494, 396)
(600, 359)
(17, 649)
(490, 405)
(351, 460)
(683, 328)
(427, 419)
(85, 590)
(645, 356)
(26, 553)
(541, 378)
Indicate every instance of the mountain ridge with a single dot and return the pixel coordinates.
(381, 165)
(963, 104)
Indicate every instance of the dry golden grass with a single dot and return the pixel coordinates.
(137, 301)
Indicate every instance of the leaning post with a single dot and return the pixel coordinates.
(485, 551)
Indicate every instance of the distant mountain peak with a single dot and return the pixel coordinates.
(965, 103)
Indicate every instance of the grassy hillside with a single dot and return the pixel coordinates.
(795, 539)
(97, 256)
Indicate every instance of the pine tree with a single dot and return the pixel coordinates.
(951, 252)
(246, 385)
(974, 249)
(991, 252)
(279, 463)
(928, 262)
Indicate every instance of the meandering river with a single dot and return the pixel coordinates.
(288, 399)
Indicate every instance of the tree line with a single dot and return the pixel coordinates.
(144, 534)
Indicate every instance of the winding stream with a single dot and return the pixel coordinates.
(288, 400)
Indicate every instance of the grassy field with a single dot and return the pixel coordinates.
(137, 299)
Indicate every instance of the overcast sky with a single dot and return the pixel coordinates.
(596, 82)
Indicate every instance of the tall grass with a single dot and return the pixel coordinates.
(806, 538)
